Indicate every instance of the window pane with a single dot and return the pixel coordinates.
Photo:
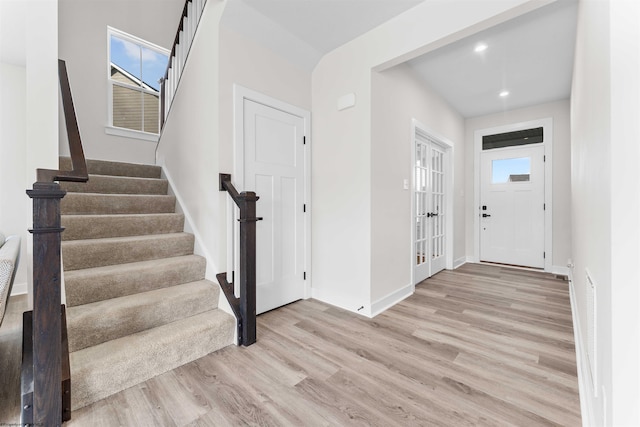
(154, 65)
(151, 113)
(126, 59)
(510, 139)
(127, 108)
(511, 170)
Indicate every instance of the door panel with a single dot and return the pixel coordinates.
(429, 214)
(437, 258)
(274, 169)
(512, 206)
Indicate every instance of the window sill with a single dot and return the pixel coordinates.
(128, 133)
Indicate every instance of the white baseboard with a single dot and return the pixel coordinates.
(584, 384)
(19, 288)
(199, 247)
(460, 262)
(391, 299)
(560, 270)
(340, 301)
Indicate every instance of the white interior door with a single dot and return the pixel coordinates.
(512, 206)
(274, 168)
(429, 209)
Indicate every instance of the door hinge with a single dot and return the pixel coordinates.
(544, 158)
(304, 276)
(544, 255)
(304, 140)
(304, 208)
(544, 206)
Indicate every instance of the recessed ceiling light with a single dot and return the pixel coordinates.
(480, 47)
(504, 93)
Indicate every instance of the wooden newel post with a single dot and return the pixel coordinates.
(47, 335)
(248, 266)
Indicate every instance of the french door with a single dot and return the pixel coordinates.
(429, 216)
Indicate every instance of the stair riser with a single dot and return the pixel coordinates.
(117, 185)
(137, 358)
(91, 204)
(79, 227)
(116, 318)
(101, 167)
(80, 254)
(88, 286)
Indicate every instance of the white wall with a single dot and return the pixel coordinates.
(398, 96)
(83, 44)
(605, 203)
(197, 142)
(41, 100)
(188, 148)
(559, 111)
(247, 63)
(341, 150)
(14, 203)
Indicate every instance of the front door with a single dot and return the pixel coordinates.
(512, 206)
(274, 167)
(429, 211)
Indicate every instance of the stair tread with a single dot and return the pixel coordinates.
(100, 203)
(99, 283)
(124, 239)
(96, 226)
(112, 168)
(111, 184)
(107, 368)
(79, 254)
(116, 195)
(110, 269)
(97, 322)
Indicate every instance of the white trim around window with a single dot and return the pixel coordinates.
(110, 129)
(128, 133)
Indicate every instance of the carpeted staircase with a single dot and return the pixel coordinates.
(137, 301)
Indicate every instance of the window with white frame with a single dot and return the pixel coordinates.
(135, 68)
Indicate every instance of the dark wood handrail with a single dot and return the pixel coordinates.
(45, 377)
(78, 170)
(244, 307)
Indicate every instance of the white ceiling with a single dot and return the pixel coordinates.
(305, 30)
(531, 56)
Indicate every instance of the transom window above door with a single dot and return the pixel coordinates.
(134, 72)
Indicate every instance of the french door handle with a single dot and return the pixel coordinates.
(430, 214)
(485, 215)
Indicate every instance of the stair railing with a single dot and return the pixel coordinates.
(189, 20)
(244, 304)
(45, 376)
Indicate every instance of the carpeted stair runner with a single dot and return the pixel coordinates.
(137, 301)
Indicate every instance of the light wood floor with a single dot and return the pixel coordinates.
(481, 345)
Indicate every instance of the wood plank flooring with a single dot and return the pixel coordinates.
(481, 345)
